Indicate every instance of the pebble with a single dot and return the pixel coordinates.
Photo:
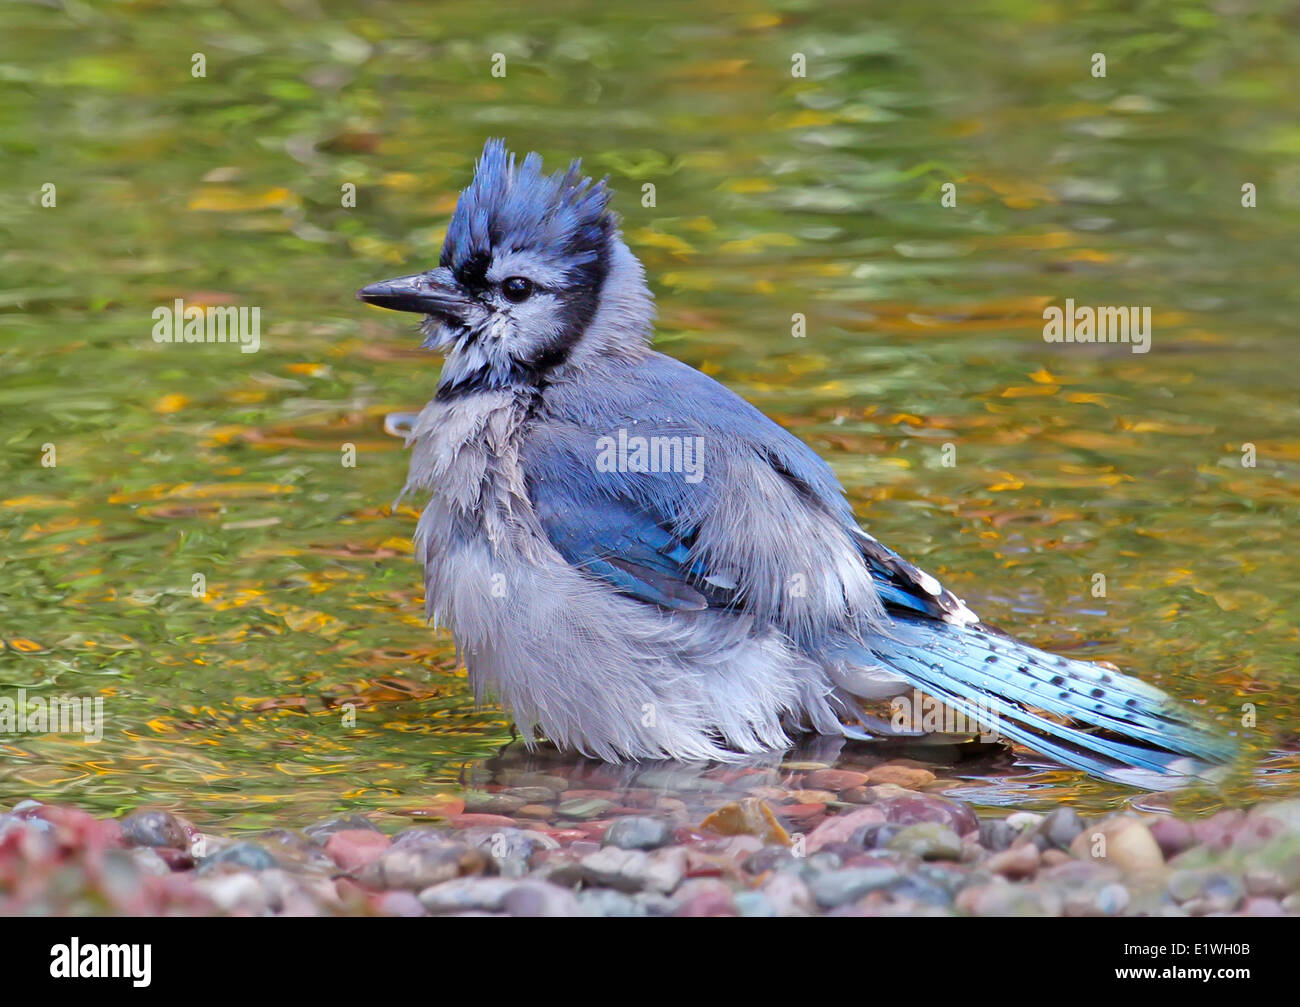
(478, 802)
(1112, 900)
(770, 858)
(1124, 842)
(914, 808)
(322, 830)
(634, 870)
(901, 776)
(637, 832)
(246, 855)
(705, 897)
(147, 861)
(156, 828)
(632, 851)
(399, 903)
(834, 888)
(1025, 821)
(1172, 835)
(753, 904)
(1061, 827)
(538, 898)
(842, 827)
(352, 849)
(583, 808)
(237, 894)
(1205, 891)
(1005, 899)
(835, 779)
(927, 840)
(415, 867)
(1020, 861)
(747, 817)
(788, 895)
(608, 902)
(810, 798)
(465, 894)
(995, 834)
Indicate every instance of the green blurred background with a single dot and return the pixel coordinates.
(774, 195)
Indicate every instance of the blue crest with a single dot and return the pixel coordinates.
(564, 216)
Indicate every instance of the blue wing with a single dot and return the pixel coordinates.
(636, 531)
(618, 540)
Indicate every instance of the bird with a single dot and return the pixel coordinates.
(639, 564)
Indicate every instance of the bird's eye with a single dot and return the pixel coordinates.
(517, 288)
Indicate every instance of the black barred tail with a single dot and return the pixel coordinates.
(1121, 729)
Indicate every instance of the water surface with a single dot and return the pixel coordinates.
(774, 196)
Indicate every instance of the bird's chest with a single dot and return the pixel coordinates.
(467, 456)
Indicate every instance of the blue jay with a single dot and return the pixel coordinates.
(639, 564)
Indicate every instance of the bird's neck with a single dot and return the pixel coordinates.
(624, 320)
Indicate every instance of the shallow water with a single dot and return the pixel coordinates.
(774, 196)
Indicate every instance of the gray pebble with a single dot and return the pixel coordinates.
(638, 832)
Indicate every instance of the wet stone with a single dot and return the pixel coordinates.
(770, 858)
(155, 828)
(747, 817)
(244, 855)
(1061, 827)
(753, 904)
(915, 808)
(705, 897)
(506, 843)
(835, 779)
(907, 777)
(789, 895)
(996, 835)
(1112, 900)
(875, 837)
(1020, 861)
(538, 898)
(480, 803)
(1210, 890)
(583, 808)
(532, 795)
(923, 890)
(844, 827)
(823, 860)
(464, 894)
(668, 779)
(927, 840)
(415, 867)
(1025, 821)
(835, 888)
(634, 870)
(1172, 835)
(514, 780)
(352, 849)
(607, 902)
(147, 861)
(637, 832)
(322, 830)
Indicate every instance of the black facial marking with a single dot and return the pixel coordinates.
(472, 273)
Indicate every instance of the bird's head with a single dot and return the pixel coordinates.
(525, 269)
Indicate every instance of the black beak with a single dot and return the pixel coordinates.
(425, 293)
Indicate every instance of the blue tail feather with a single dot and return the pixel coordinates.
(1148, 740)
